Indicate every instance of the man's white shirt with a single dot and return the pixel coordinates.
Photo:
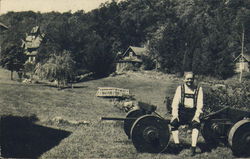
(188, 102)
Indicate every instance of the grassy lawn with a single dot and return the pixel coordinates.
(98, 139)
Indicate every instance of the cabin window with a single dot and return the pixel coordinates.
(131, 54)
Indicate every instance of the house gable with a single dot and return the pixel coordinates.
(130, 59)
(32, 43)
(134, 51)
(245, 57)
(242, 63)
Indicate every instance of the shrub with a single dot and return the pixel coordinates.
(234, 95)
(58, 67)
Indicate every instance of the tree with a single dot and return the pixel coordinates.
(198, 35)
(164, 46)
(12, 58)
(98, 57)
(59, 67)
(215, 26)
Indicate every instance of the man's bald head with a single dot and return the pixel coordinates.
(189, 73)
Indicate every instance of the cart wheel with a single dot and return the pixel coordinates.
(239, 138)
(150, 133)
(134, 113)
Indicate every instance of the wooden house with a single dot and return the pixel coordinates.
(131, 59)
(242, 63)
(32, 43)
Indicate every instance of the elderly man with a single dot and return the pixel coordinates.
(186, 109)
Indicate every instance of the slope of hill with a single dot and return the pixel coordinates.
(95, 139)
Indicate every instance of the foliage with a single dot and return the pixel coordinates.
(235, 95)
(29, 67)
(198, 35)
(12, 58)
(148, 63)
(98, 59)
(164, 48)
(58, 67)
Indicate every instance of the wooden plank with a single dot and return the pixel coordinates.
(111, 92)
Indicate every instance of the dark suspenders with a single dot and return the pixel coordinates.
(182, 94)
(196, 96)
(187, 95)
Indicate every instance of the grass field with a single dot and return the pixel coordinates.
(30, 125)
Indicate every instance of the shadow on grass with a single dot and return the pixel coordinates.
(21, 138)
(60, 88)
(65, 87)
(172, 149)
(124, 142)
(206, 147)
(43, 85)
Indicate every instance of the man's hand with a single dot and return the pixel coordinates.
(173, 118)
(174, 122)
(196, 119)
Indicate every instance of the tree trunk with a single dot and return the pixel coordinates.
(11, 75)
(58, 84)
(20, 75)
(184, 62)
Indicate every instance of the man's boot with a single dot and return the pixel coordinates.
(193, 151)
(176, 148)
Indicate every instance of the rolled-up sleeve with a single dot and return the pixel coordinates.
(199, 108)
(176, 102)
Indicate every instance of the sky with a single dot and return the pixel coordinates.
(49, 5)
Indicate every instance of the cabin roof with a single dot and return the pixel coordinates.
(2, 26)
(137, 50)
(245, 56)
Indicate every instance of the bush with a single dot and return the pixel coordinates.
(29, 67)
(148, 63)
(235, 95)
(59, 68)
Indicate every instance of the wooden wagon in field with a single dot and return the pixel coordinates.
(112, 92)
